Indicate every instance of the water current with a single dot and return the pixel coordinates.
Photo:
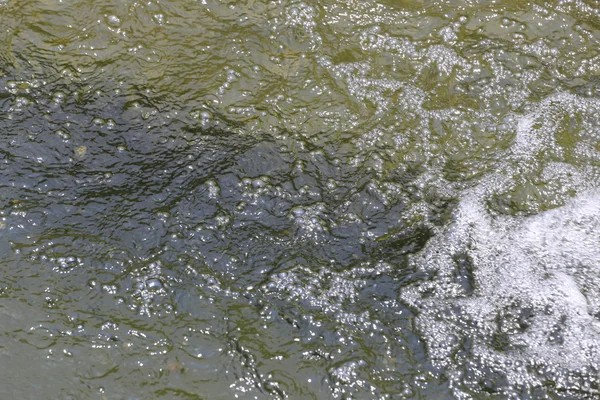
(331, 199)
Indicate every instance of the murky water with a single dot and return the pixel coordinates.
(305, 200)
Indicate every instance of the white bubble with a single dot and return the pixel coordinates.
(113, 21)
(159, 18)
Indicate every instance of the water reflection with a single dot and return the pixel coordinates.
(298, 200)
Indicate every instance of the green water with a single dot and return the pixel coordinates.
(303, 200)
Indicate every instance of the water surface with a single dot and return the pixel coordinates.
(304, 200)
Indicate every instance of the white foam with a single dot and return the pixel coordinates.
(534, 293)
(537, 283)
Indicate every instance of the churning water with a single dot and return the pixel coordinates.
(393, 199)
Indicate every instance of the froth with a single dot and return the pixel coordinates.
(514, 290)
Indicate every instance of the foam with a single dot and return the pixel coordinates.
(537, 287)
(536, 282)
(516, 294)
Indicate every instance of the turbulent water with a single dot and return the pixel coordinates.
(305, 200)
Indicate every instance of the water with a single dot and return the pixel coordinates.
(254, 200)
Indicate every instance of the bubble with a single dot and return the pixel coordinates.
(231, 76)
(298, 211)
(213, 189)
(58, 97)
(345, 373)
(159, 18)
(113, 21)
(372, 39)
(503, 127)
(205, 116)
(22, 102)
(63, 135)
(154, 284)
